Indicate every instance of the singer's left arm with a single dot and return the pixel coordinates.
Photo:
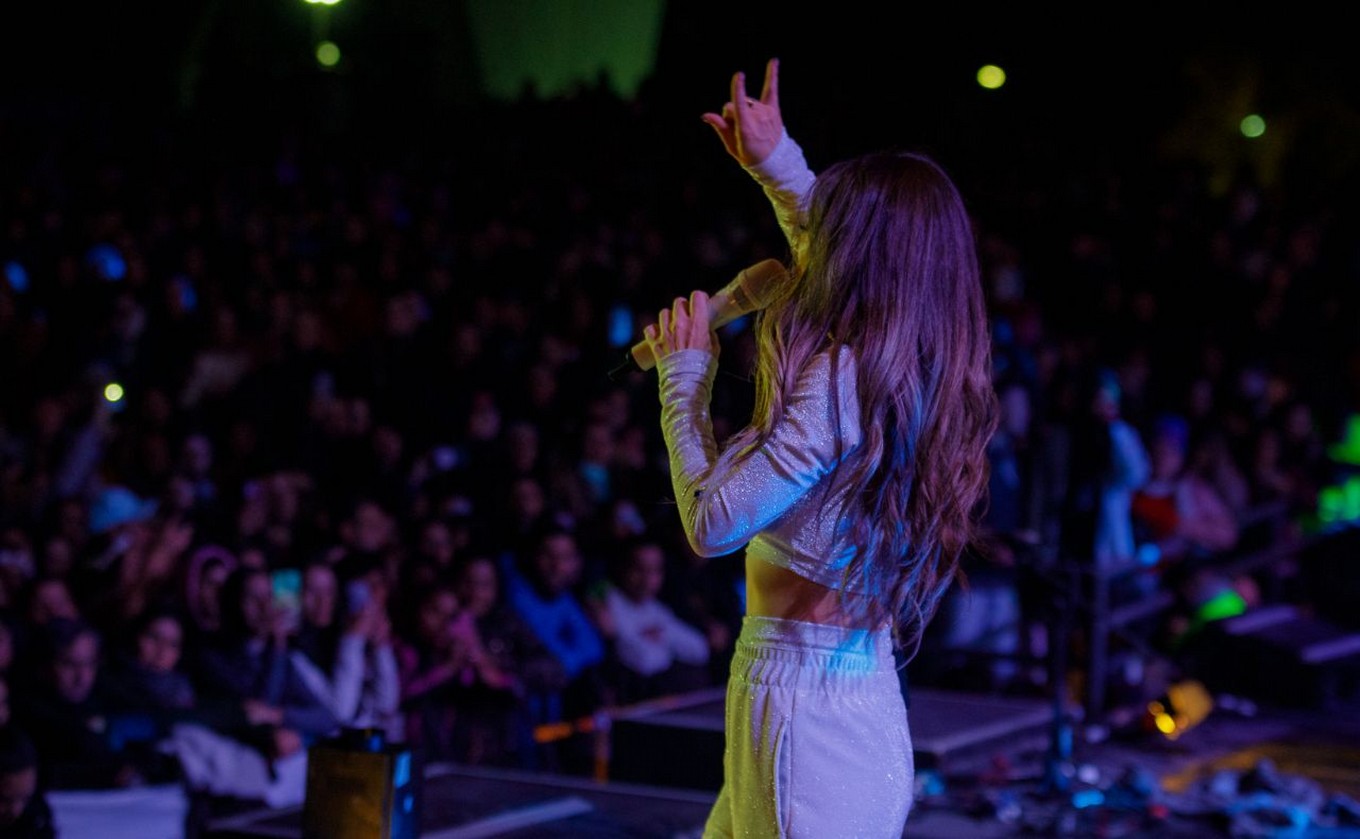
(787, 182)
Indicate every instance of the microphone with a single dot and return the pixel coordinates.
(751, 290)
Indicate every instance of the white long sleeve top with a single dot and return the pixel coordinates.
(775, 501)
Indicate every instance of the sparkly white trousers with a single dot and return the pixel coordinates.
(817, 738)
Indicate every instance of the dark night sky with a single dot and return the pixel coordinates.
(856, 74)
(866, 53)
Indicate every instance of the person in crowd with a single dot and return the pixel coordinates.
(1186, 525)
(49, 599)
(206, 570)
(506, 717)
(347, 650)
(247, 679)
(24, 811)
(1179, 514)
(148, 678)
(654, 652)
(445, 666)
(319, 623)
(1108, 463)
(67, 717)
(542, 591)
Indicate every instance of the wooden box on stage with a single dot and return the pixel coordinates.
(359, 787)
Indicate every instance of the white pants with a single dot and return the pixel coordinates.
(817, 737)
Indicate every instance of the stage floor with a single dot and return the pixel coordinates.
(1001, 796)
(950, 730)
(468, 803)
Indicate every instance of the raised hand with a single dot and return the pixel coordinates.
(750, 128)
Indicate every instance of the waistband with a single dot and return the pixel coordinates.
(798, 653)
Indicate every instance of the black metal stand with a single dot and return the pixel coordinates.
(1058, 760)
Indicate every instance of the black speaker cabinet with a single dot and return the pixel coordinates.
(1281, 655)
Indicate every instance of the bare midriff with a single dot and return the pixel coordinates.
(775, 592)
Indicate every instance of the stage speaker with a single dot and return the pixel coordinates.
(361, 787)
(672, 742)
(1280, 654)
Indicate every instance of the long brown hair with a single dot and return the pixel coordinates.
(887, 270)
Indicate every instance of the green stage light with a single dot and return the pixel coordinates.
(1253, 126)
(991, 76)
(1340, 503)
(1225, 604)
(1348, 450)
(327, 54)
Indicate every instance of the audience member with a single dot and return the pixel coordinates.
(249, 681)
(349, 656)
(654, 652)
(535, 672)
(445, 667)
(148, 678)
(541, 587)
(24, 812)
(66, 717)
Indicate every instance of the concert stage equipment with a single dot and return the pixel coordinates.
(663, 772)
(471, 803)
(680, 743)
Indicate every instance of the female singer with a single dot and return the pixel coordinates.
(854, 485)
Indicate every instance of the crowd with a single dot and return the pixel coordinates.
(311, 437)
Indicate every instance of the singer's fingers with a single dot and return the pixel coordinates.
(739, 103)
(679, 319)
(716, 120)
(698, 311)
(769, 94)
(724, 128)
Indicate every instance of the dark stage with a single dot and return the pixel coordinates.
(980, 774)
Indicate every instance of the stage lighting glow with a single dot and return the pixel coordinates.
(17, 277)
(1088, 798)
(1253, 126)
(991, 76)
(113, 392)
(321, 2)
(1165, 723)
(1184, 706)
(1340, 503)
(1348, 450)
(327, 54)
(107, 262)
(1225, 604)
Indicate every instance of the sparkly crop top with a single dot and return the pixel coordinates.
(782, 500)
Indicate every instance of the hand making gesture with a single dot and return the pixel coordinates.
(750, 128)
